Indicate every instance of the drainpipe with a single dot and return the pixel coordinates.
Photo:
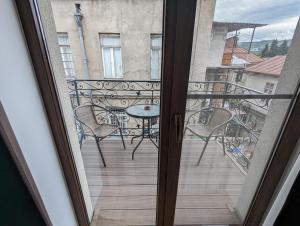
(78, 18)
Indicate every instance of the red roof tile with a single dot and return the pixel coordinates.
(271, 66)
(249, 57)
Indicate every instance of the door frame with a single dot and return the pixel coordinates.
(37, 47)
(178, 27)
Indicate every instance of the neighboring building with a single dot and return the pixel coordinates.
(122, 39)
(221, 48)
(263, 77)
(244, 58)
(235, 56)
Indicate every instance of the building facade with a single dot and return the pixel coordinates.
(122, 38)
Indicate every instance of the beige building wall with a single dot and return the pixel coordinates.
(217, 45)
(202, 39)
(135, 21)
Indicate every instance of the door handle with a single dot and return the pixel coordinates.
(178, 127)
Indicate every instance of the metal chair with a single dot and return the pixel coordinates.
(207, 123)
(95, 122)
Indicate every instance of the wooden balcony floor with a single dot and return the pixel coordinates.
(124, 193)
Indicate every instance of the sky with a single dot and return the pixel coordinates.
(280, 15)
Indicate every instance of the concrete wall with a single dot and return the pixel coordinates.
(202, 38)
(135, 21)
(217, 45)
(287, 84)
(21, 99)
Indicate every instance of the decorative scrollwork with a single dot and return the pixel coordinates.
(117, 95)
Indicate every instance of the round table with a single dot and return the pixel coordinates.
(144, 112)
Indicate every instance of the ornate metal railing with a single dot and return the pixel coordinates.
(241, 134)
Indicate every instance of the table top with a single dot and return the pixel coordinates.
(138, 111)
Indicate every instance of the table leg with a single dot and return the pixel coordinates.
(135, 137)
(132, 157)
(143, 135)
(149, 134)
(153, 142)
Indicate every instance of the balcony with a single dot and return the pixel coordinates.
(125, 191)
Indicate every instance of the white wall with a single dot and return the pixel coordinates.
(258, 81)
(21, 100)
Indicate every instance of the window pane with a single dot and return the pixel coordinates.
(63, 39)
(156, 40)
(111, 41)
(66, 54)
(65, 49)
(66, 57)
(155, 64)
(107, 62)
(229, 127)
(118, 62)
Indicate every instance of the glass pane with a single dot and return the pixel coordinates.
(110, 41)
(66, 57)
(155, 64)
(65, 49)
(63, 39)
(107, 62)
(118, 62)
(114, 70)
(156, 40)
(228, 139)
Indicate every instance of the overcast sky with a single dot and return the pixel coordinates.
(281, 15)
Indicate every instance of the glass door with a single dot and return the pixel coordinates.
(193, 147)
(226, 107)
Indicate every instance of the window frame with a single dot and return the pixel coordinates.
(71, 54)
(112, 56)
(267, 88)
(174, 20)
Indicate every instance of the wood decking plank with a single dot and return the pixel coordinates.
(124, 193)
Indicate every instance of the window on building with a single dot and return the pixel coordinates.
(111, 55)
(156, 44)
(239, 76)
(66, 55)
(269, 88)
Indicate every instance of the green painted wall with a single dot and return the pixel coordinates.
(16, 205)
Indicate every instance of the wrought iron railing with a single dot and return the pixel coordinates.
(241, 134)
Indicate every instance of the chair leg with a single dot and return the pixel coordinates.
(122, 138)
(81, 139)
(201, 155)
(99, 149)
(223, 144)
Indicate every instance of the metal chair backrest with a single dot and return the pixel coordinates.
(84, 114)
(218, 119)
(213, 119)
